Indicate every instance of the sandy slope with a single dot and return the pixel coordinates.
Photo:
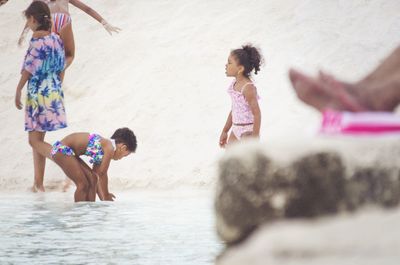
(163, 76)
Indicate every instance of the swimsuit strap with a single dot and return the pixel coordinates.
(243, 87)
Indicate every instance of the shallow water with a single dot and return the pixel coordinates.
(138, 228)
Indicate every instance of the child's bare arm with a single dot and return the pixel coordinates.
(101, 171)
(91, 12)
(25, 75)
(250, 94)
(228, 123)
(224, 134)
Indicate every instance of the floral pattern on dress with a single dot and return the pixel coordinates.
(44, 108)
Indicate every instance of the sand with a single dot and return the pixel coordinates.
(163, 76)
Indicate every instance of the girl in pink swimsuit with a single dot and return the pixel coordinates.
(245, 117)
(62, 24)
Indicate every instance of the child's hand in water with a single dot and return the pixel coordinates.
(110, 197)
(18, 103)
(222, 139)
(110, 28)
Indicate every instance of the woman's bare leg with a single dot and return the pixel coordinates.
(36, 140)
(388, 94)
(39, 161)
(385, 70)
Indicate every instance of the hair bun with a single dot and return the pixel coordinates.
(249, 57)
(254, 55)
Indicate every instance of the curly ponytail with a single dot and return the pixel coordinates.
(41, 13)
(249, 57)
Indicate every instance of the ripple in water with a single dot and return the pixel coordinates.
(139, 228)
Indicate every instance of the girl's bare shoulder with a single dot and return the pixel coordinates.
(106, 144)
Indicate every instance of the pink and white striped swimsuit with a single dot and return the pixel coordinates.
(242, 117)
(59, 21)
(59, 14)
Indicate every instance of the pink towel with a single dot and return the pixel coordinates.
(335, 122)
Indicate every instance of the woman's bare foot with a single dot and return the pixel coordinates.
(2, 2)
(312, 92)
(377, 91)
(352, 96)
(35, 188)
(325, 92)
(369, 95)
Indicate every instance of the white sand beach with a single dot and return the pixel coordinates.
(163, 76)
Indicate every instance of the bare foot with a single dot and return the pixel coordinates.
(312, 92)
(2, 2)
(375, 95)
(40, 188)
(324, 93)
(351, 96)
(35, 188)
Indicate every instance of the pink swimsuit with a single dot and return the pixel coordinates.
(242, 117)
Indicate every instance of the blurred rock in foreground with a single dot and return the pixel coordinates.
(266, 184)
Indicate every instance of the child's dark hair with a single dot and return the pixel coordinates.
(126, 137)
(249, 57)
(41, 13)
